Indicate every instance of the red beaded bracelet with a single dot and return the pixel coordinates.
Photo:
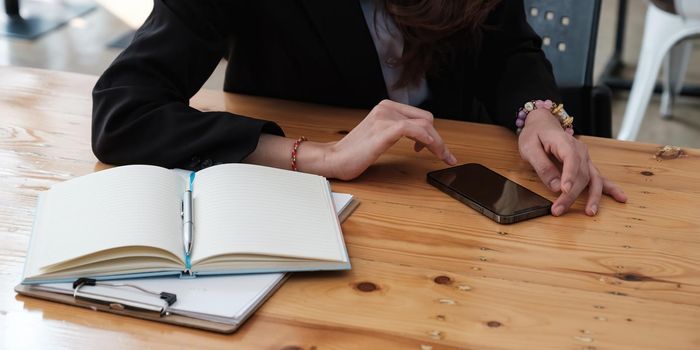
(294, 151)
(567, 121)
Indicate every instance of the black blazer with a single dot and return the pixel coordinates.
(317, 51)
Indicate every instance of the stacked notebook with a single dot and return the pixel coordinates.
(114, 227)
(127, 222)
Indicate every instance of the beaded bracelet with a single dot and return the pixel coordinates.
(566, 121)
(294, 151)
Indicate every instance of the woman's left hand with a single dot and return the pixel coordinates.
(541, 140)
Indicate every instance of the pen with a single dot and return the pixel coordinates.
(187, 222)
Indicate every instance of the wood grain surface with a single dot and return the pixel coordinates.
(428, 272)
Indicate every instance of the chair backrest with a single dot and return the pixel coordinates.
(569, 29)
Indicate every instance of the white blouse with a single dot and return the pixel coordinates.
(389, 44)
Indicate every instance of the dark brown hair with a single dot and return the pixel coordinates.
(434, 30)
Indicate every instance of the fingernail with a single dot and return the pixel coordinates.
(567, 186)
(452, 160)
(555, 185)
(557, 210)
(594, 209)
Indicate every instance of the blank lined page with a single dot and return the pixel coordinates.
(249, 209)
(118, 207)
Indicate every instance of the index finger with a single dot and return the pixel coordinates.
(438, 146)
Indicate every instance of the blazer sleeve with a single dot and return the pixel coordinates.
(511, 67)
(141, 111)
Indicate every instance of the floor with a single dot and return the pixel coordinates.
(81, 46)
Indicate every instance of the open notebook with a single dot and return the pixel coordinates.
(128, 222)
(215, 303)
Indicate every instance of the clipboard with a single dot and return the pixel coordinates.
(124, 309)
(119, 309)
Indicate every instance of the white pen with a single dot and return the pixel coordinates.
(187, 222)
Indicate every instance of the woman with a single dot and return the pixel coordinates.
(432, 57)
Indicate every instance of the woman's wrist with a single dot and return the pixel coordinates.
(541, 118)
(314, 157)
(276, 151)
(541, 108)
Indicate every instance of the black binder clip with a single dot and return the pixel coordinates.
(82, 281)
(169, 298)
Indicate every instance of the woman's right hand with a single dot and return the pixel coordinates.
(351, 156)
(385, 124)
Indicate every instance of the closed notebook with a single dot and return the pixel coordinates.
(127, 222)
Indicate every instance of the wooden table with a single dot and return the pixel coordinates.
(428, 272)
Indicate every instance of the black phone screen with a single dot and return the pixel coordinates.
(488, 189)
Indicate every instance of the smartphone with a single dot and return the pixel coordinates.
(489, 193)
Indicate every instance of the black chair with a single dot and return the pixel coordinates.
(569, 29)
